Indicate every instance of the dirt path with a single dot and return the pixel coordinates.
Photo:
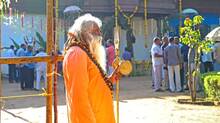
(138, 104)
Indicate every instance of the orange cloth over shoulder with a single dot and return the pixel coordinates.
(89, 99)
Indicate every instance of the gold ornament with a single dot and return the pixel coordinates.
(129, 18)
(124, 66)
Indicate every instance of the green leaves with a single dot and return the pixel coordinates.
(40, 40)
(15, 43)
(190, 34)
(197, 20)
(212, 86)
(188, 22)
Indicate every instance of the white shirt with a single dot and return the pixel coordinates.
(10, 53)
(41, 65)
(217, 52)
(156, 60)
(207, 57)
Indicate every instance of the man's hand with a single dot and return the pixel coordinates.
(115, 76)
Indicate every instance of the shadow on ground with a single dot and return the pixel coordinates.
(131, 88)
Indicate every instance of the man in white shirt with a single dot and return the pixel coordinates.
(217, 56)
(207, 61)
(157, 63)
(40, 70)
(11, 67)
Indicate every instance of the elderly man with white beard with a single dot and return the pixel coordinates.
(88, 88)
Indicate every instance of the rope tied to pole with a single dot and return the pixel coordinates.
(44, 94)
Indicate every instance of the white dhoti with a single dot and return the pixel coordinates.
(40, 73)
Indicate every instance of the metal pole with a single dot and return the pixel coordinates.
(116, 42)
(49, 64)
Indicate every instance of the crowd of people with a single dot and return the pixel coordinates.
(170, 61)
(26, 74)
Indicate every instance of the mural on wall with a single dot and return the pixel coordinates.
(25, 28)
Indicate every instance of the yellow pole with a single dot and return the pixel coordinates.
(49, 99)
(0, 68)
(116, 42)
(180, 14)
(145, 23)
(116, 13)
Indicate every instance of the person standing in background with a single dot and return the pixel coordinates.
(110, 52)
(157, 62)
(216, 54)
(29, 70)
(207, 61)
(41, 70)
(177, 42)
(172, 57)
(11, 67)
(165, 69)
(126, 54)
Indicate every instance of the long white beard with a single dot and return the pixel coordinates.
(99, 53)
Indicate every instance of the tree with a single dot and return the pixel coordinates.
(190, 35)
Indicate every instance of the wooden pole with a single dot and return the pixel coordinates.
(116, 42)
(49, 99)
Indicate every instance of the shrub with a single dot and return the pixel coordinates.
(212, 86)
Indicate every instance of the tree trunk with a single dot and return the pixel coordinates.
(196, 74)
(190, 72)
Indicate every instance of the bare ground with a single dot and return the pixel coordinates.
(138, 104)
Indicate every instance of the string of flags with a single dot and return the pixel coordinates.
(9, 14)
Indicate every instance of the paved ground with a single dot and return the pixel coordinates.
(138, 104)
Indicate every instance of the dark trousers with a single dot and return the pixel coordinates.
(182, 77)
(208, 66)
(17, 76)
(11, 72)
(29, 78)
(22, 77)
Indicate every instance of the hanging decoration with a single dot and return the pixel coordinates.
(10, 12)
(41, 25)
(17, 15)
(10, 16)
(22, 20)
(180, 14)
(32, 22)
(5, 6)
(128, 17)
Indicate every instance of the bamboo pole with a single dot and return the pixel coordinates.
(145, 23)
(49, 99)
(116, 42)
(180, 14)
(56, 38)
(20, 60)
(0, 68)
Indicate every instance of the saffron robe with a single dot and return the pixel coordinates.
(89, 99)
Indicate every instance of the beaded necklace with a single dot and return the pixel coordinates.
(93, 59)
